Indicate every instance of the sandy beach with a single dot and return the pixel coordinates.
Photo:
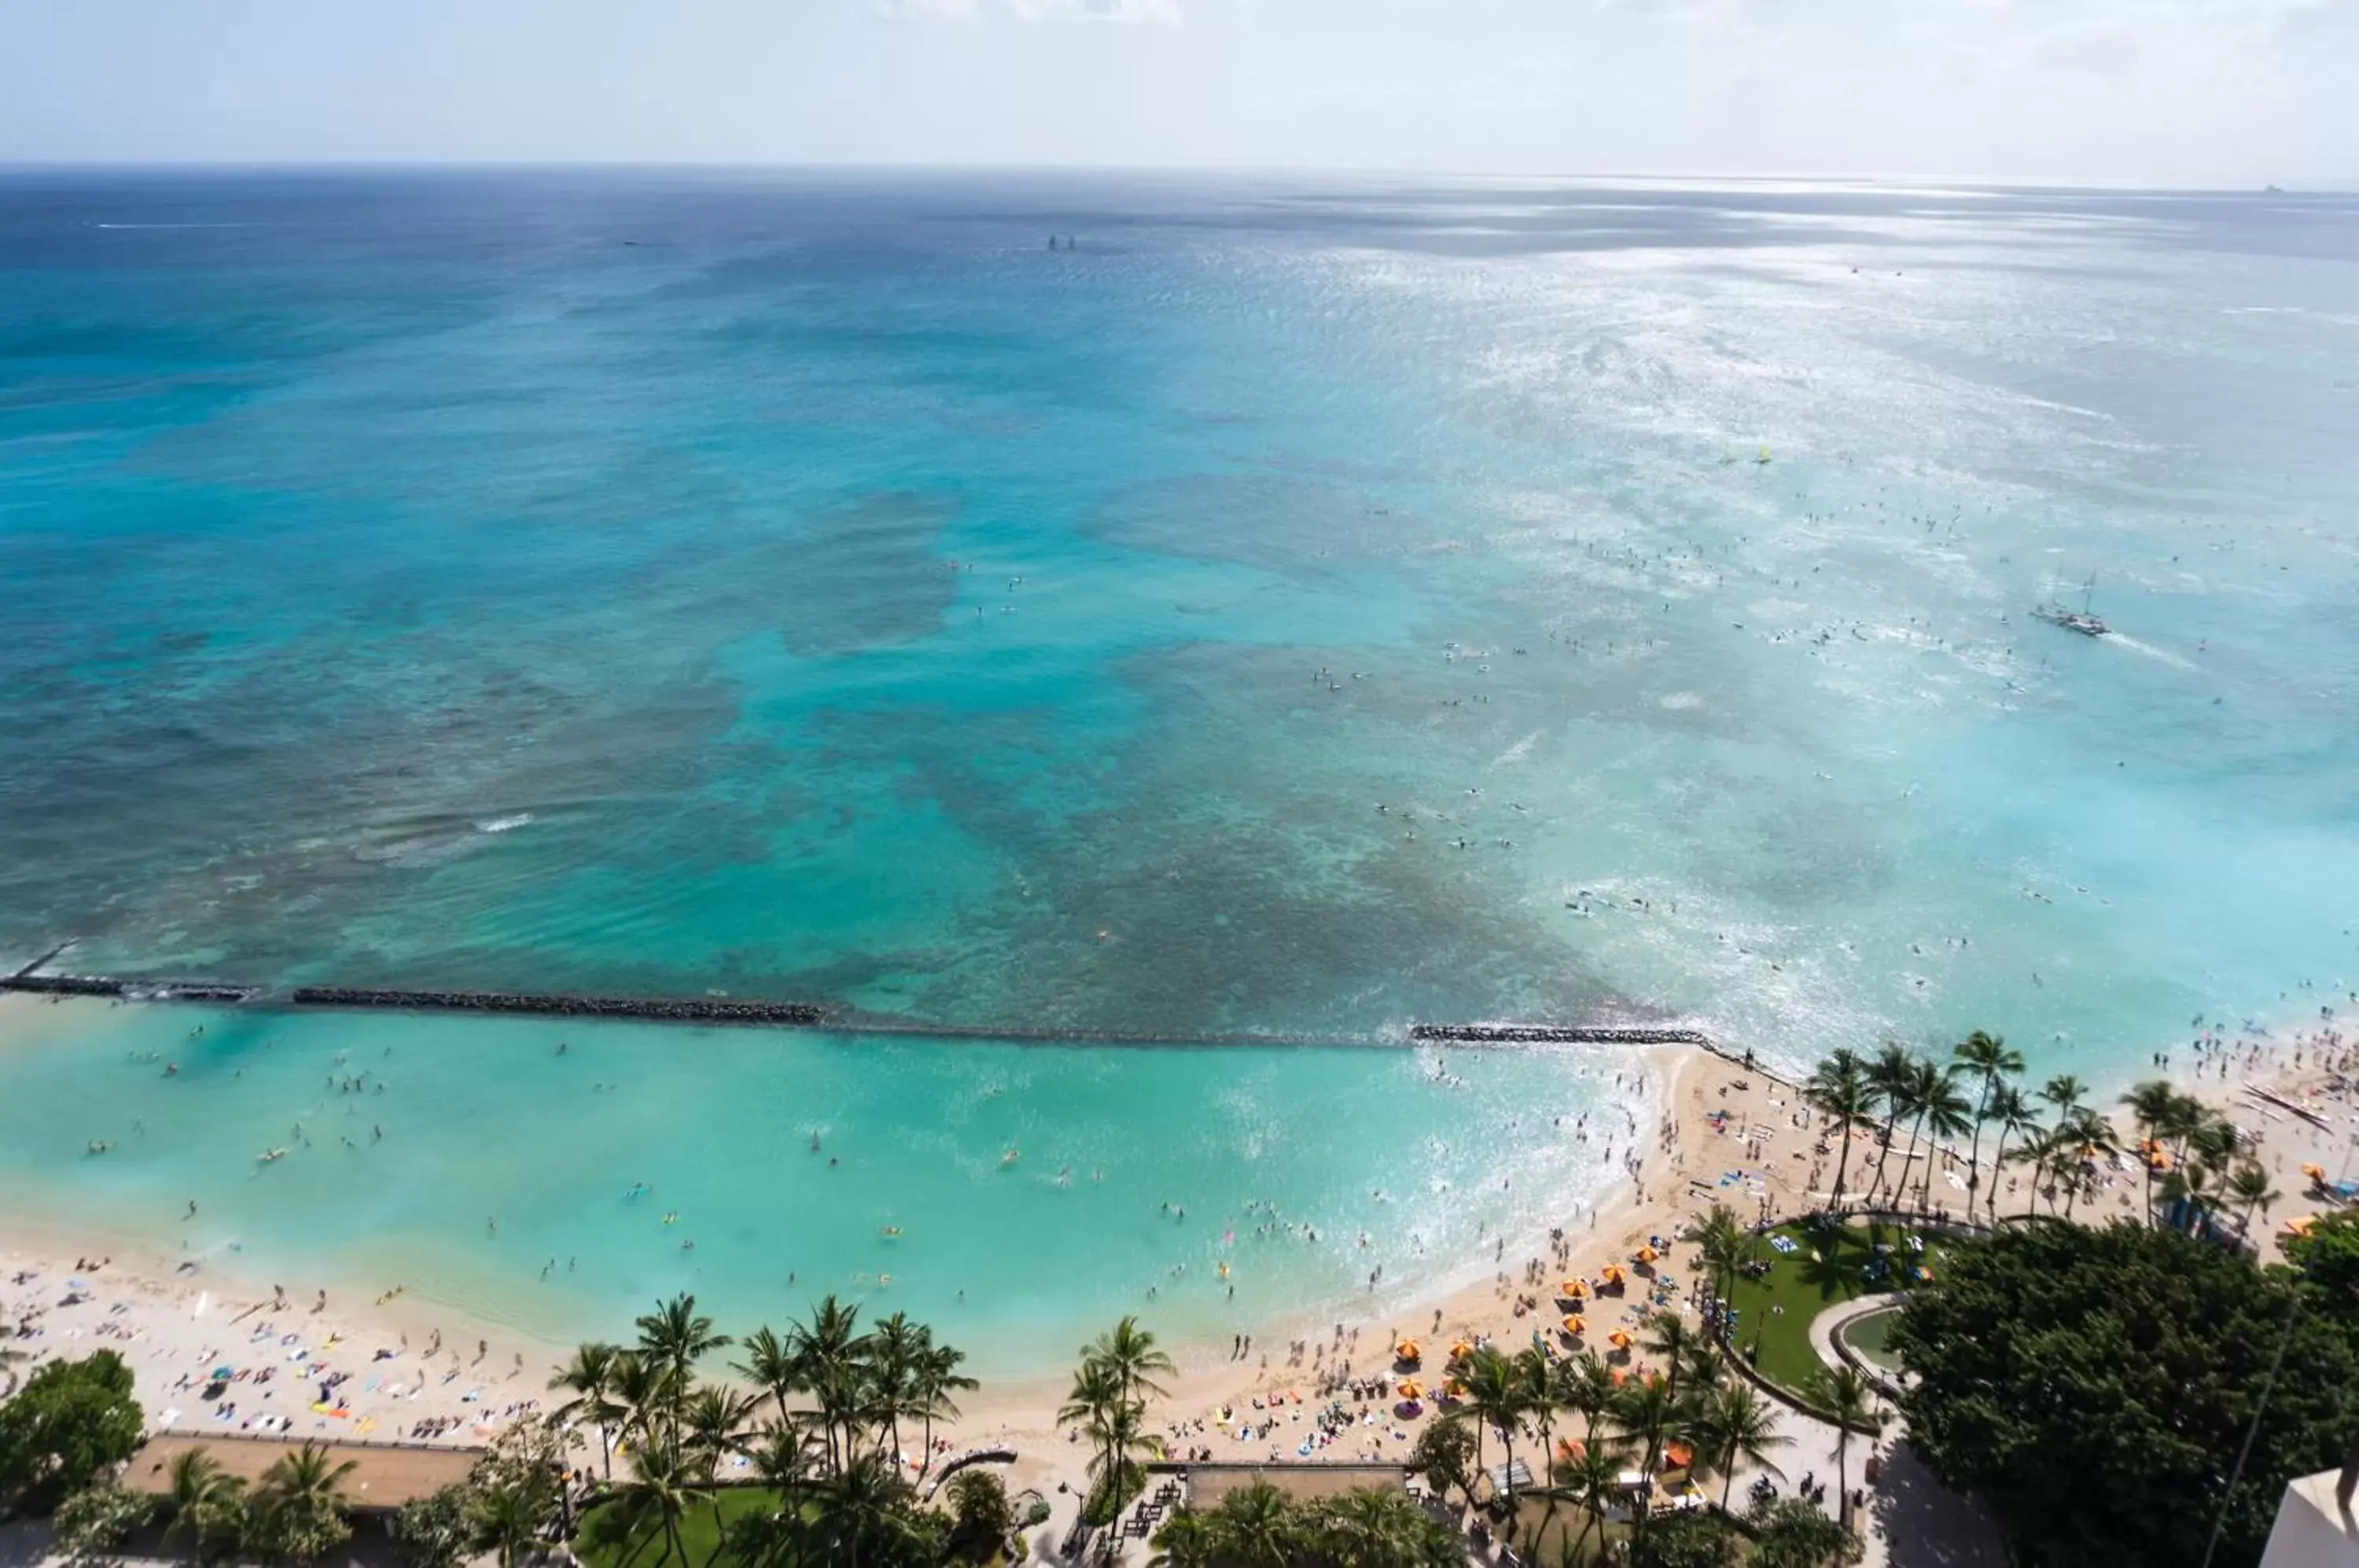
(215, 1349)
(322, 1358)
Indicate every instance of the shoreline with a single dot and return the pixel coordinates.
(1765, 1156)
(174, 1307)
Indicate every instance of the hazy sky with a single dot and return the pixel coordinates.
(2179, 92)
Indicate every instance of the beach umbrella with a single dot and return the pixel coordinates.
(1619, 1339)
(1411, 1389)
(1408, 1351)
(1461, 1349)
(2315, 1173)
(1611, 1274)
(1647, 1255)
(1574, 1289)
(1575, 1324)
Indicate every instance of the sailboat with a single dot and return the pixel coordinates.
(2084, 620)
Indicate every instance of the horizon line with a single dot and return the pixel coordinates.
(2300, 186)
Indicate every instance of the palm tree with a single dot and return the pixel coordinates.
(504, 1520)
(1093, 1404)
(590, 1379)
(1723, 1243)
(674, 1337)
(1593, 1477)
(1986, 1058)
(1369, 1525)
(1129, 1352)
(2154, 1105)
(938, 1377)
(2012, 1110)
(1680, 1347)
(1121, 1434)
(2083, 1136)
(1495, 1394)
(769, 1366)
(1584, 1385)
(297, 1510)
(1644, 1409)
(783, 1460)
(1841, 1089)
(1734, 1425)
(2212, 1141)
(203, 1498)
(660, 1484)
(711, 1423)
(308, 1480)
(864, 1513)
(644, 1390)
(1531, 1367)
(1187, 1540)
(1889, 1078)
(896, 1348)
(1846, 1395)
(2250, 1186)
(1256, 1527)
(1947, 1114)
(2196, 1187)
(826, 1356)
(2064, 1093)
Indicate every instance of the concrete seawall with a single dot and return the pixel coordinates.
(761, 1012)
(1547, 1034)
(664, 1009)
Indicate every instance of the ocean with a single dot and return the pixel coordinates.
(1286, 607)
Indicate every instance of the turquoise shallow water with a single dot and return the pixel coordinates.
(1035, 1189)
(813, 585)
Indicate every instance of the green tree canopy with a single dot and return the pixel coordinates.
(2093, 1387)
(1260, 1526)
(71, 1420)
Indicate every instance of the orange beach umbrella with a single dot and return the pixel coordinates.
(2315, 1173)
(1646, 1254)
(1460, 1349)
(1619, 1339)
(1408, 1351)
(1574, 1289)
(1411, 1389)
(1576, 1325)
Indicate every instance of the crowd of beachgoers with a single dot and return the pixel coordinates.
(211, 1353)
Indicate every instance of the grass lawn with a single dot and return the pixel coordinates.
(1825, 1268)
(602, 1543)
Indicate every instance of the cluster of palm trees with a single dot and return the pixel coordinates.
(1108, 1404)
(294, 1515)
(1625, 1423)
(823, 1429)
(1260, 1526)
(2055, 1131)
(2204, 1168)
